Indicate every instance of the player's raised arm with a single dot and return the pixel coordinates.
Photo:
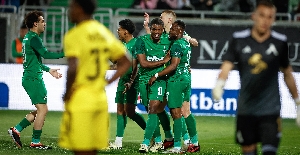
(146, 23)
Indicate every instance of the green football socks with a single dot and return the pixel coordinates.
(150, 128)
(184, 133)
(156, 134)
(165, 123)
(22, 125)
(121, 124)
(191, 126)
(36, 136)
(177, 127)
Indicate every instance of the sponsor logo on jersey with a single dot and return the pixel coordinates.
(154, 58)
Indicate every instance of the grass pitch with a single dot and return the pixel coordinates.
(216, 136)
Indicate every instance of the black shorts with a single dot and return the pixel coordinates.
(254, 129)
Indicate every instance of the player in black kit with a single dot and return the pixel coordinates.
(260, 54)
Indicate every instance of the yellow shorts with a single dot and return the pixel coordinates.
(84, 125)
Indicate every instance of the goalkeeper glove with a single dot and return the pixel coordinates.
(218, 91)
(297, 101)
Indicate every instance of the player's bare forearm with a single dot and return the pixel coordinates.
(123, 65)
(134, 70)
(170, 68)
(225, 69)
(290, 81)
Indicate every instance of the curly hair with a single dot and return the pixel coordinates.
(128, 25)
(32, 17)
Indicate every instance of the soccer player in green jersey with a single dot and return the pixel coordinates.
(178, 79)
(32, 81)
(151, 52)
(126, 95)
(169, 17)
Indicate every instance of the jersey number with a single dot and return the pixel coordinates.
(95, 54)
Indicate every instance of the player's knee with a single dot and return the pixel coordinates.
(120, 112)
(152, 110)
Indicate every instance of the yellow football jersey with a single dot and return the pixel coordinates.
(93, 45)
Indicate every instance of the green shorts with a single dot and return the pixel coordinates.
(154, 92)
(129, 97)
(175, 93)
(187, 94)
(36, 90)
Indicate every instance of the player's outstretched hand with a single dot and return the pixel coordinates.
(152, 79)
(55, 73)
(146, 19)
(218, 91)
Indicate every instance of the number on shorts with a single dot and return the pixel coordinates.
(167, 94)
(159, 89)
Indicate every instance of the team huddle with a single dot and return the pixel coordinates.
(162, 78)
(159, 69)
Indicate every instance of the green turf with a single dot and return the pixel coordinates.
(215, 136)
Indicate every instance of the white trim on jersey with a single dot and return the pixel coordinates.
(242, 34)
(278, 36)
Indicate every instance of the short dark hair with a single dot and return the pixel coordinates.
(180, 23)
(128, 25)
(88, 6)
(157, 21)
(32, 17)
(267, 3)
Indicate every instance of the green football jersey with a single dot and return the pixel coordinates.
(33, 50)
(126, 77)
(181, 49)
(153, 52)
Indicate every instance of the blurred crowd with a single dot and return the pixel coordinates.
(283, 6)
(19, 3)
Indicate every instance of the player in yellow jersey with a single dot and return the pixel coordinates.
(88, 47)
